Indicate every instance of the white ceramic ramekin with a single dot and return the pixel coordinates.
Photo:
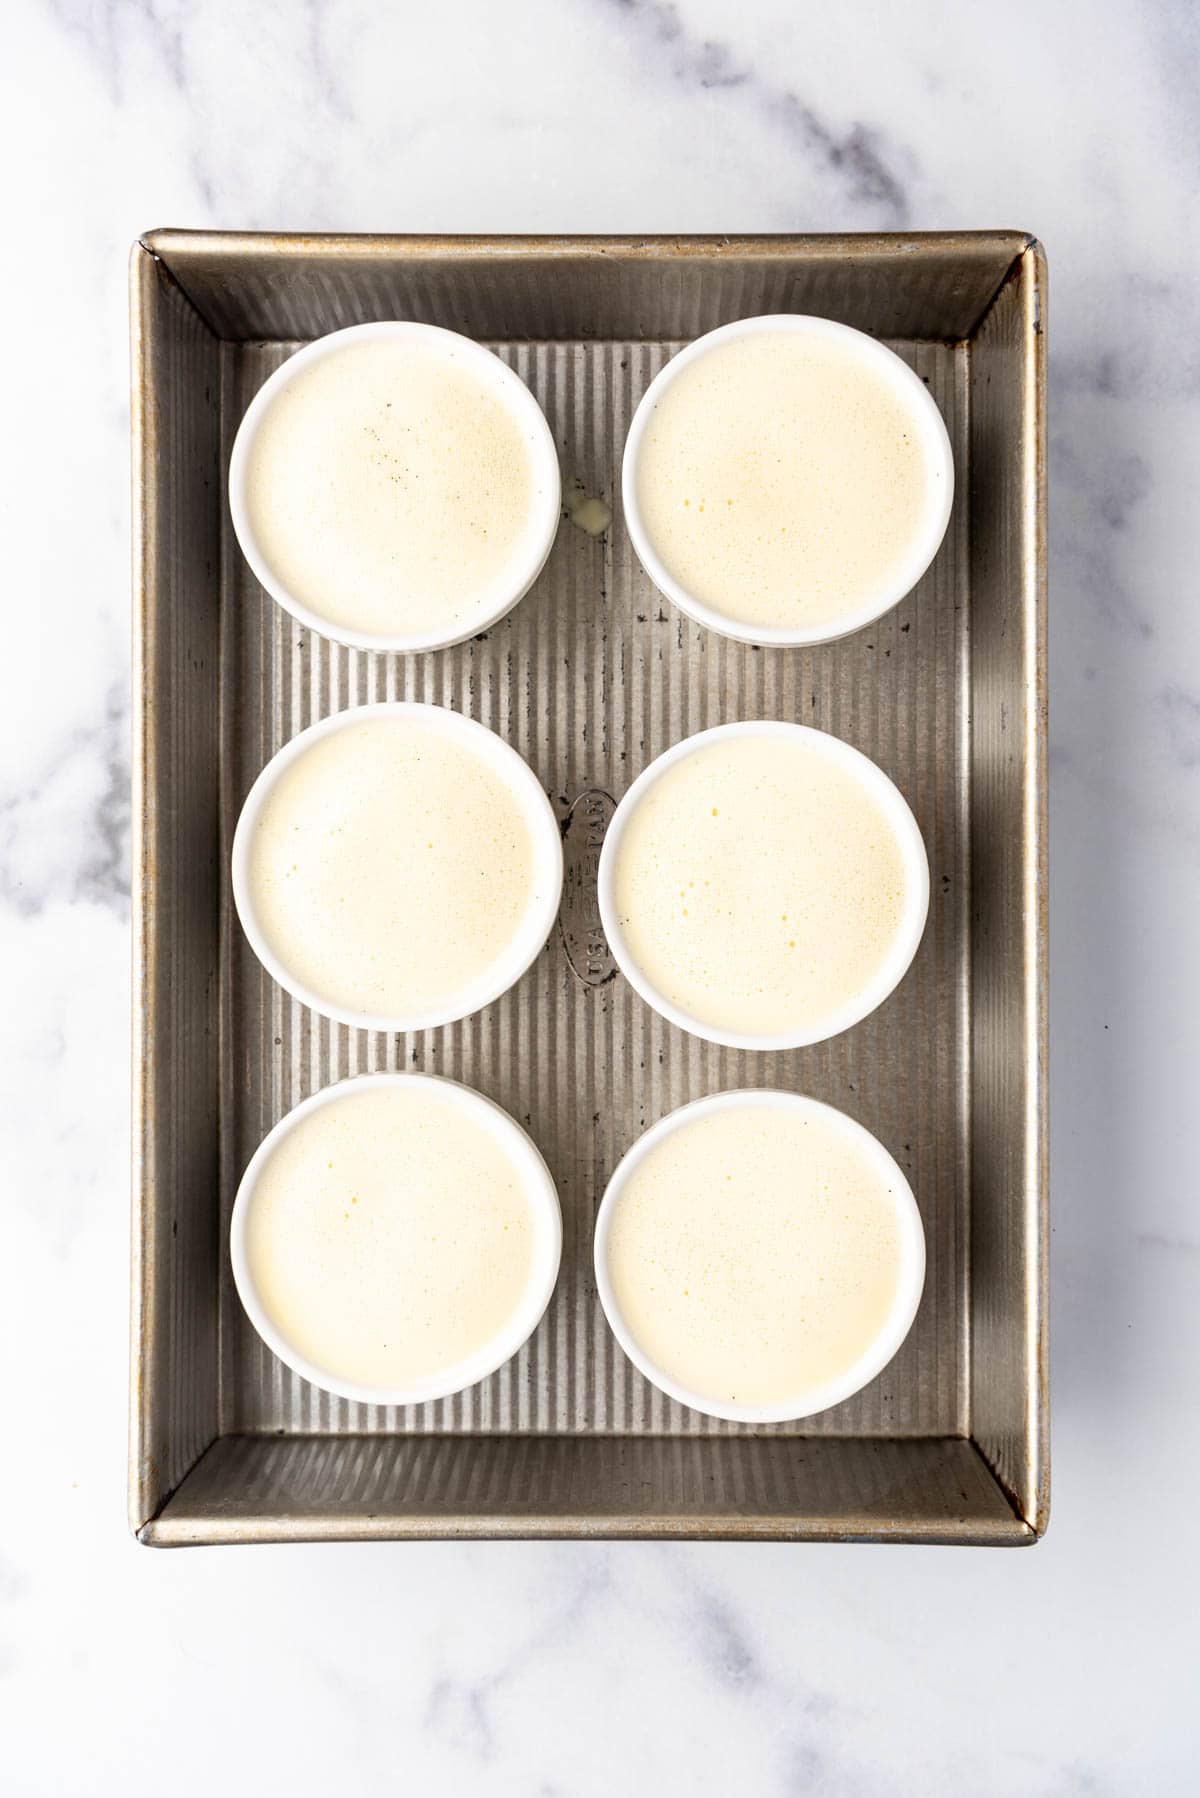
(927, 420)
(544, 832)
(916, 884)
(501, 381)
(543, 1199)
(909, 1286)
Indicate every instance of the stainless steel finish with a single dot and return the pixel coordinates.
(590, 677)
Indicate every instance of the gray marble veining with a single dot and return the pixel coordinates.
(526, 1668)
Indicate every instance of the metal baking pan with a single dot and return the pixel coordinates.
(590, 677)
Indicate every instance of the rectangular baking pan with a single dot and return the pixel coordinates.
(590, 677)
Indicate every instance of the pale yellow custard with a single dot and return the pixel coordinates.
(391, 869)
(756, 1254)
(392, 492)
(759, 886)
(390, 1236)
(783, 479)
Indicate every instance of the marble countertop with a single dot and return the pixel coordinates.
(587, 1669)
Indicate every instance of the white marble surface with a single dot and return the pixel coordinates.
(527, 1669)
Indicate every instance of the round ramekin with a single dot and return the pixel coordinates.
(935, 442)
(547, 858)
(909, 1288)
(916, 884)
(502, 381)
(538, 1183)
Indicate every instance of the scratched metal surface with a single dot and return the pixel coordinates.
(590, 677)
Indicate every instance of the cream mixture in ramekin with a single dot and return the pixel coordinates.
(763, 885)
(786, 479)
(395, 486)
(397, 866)
(759, 1256)
(396, 1238)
